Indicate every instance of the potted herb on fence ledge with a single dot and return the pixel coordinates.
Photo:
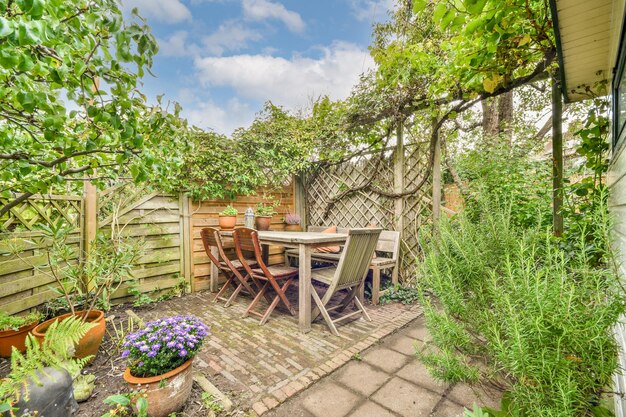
(85, 288)
(14, 329)
(228, 218)
(293, 222)
(159, 361)
(264, 213)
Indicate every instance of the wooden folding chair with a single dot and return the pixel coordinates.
(234, 270)
(349, 274)
(248, 240)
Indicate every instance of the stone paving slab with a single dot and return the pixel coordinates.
(384, 384)
(261, 367)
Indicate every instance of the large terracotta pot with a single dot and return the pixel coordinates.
(228, 222)
(17, 338)
(90, 343)
(293, 228)
(263, 222)
(165, 393)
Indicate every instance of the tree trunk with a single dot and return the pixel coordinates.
(490, 116)
(505, 115)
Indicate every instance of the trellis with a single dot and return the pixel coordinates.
(23, 250)
(394, 173)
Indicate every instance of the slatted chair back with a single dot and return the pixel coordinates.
(211, 238)
(389, 243)
(355, 258)
(247, 240)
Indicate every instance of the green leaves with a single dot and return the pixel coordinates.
(52, 51)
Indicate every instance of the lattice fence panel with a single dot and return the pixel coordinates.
(25, 281)
(359, 209)
(417, 208)
(364, 207)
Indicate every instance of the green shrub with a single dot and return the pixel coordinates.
(508, 306)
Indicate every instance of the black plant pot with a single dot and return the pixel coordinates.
(51, 397)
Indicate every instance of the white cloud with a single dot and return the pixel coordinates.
(166, 11)
(267, 9)
(222, 119)
(290, 82)
(176, 45)
(371, 10)
(231, 35)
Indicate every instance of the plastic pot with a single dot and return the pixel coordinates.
(50, 395)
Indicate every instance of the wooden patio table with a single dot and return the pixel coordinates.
(305, 242)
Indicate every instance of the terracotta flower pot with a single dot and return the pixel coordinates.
(263, 222)
(228, 222)
(90, 343)
(165, 393)
(293, 228)
(17, 338)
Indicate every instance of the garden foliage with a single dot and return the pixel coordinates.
(510, 305)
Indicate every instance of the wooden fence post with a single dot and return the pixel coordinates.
(90, 224)
(398, 179)
(186, 235)
(557, 157)
(299, 196)
(436, 175)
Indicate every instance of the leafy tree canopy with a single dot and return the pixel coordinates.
(69, 101)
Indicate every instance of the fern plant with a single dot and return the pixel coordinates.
(56, 350)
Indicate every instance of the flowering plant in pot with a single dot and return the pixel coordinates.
(228, 218)
(264, 213)
(293, 222)
(159, 361)
(14, 329)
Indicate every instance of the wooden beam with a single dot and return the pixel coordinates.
(398, 178)
(436, 176)
(557, 156)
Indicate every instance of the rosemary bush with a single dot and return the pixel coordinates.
(509, 307)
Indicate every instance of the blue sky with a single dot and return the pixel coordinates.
(221, 59)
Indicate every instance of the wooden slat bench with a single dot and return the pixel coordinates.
(388, 244)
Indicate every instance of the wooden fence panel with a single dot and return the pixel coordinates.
(206, 214)
(154, 219)
(24, 281)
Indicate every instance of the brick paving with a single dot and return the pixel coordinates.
(387, 382)
(261, 367)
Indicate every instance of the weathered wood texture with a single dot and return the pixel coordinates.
(168, 226)
(23, 284)
(156, 221)
(206, 214)
(366, 208)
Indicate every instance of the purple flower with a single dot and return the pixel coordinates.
(144, 348)
(182, 353)
(125, 353)
(152, 354)
(171, 344)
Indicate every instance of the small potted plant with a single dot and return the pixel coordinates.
(292, 221)
(228, 218)
(264, 213)
(159, 361)
(85, 288)
(14, 329)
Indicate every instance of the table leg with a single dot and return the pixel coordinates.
(266, 254)
(214, 281)
(304, 298)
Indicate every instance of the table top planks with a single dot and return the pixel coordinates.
(296, 238)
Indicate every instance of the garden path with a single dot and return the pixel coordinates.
(387, 381)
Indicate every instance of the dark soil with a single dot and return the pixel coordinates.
(108, 368)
